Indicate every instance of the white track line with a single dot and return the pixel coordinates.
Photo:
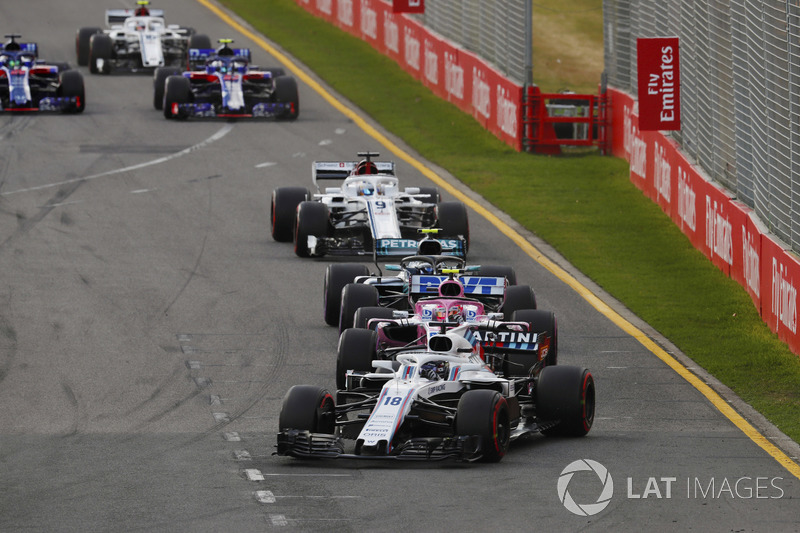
(226, 129)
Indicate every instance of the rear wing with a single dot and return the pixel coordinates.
(31, 48)
(428, 285)
(118, 16)
(339, 170)
(198, 56)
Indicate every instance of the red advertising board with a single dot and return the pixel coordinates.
(408, 6)
(658, 66)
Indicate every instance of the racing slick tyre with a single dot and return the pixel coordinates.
(499, 271)
(355, 296)
(199, 41)
(160, 76)
(357, 349)
(177, 90)
(283, 210)
(484, 413)
(565, 394)
(364, 314)
(82, 44)
(308, 408)
(429, 195)
(451, 217)
(70, 84)
(312, 221)
(286, 92)
(518, 297)
(100, 49)
(337, 275)
(541, 321)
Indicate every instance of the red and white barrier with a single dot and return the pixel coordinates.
(725, 230)
(448, 70)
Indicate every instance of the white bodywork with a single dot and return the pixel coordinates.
(147, 33)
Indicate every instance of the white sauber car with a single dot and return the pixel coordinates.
(368, 214)
(134, 42)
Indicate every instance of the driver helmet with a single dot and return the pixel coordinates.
(366, 167)
(142, 10)
(366, 188)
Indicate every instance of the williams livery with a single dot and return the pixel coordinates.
(434, 403)
(28, 83)
(223, 83)
(367, 214)
(135, 40)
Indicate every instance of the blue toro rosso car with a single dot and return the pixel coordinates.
(28, 83)
(223, 83)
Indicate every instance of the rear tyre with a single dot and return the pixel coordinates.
(82, 44)
(283, 210)
(357, 349)
(308, 408)
(451, 217)
(518, 297)
(566, 394)
(484, 413)
(100, 49)
(286, 92)
(541, 322)
(200, 41)
(337, 275)
(312, 220)
(499, 271)
(363, 315)
(177, 90)
(355, 296)
(71, 85)
(160, 76)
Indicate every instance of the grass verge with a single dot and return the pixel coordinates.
(585, 207)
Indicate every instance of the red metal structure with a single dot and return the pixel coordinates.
(553, 120)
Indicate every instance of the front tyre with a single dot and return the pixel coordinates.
(312, 221)
(101, 50)
(354, 297)
(286, 93)
(308, 408)
(70, 85)
(160, 76)
(451, 217)
(177, 91)
(484, 413)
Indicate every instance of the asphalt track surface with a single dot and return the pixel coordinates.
(150, 326)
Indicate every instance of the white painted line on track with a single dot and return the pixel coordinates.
(222, 417)
(226, 129)
(265, 496)
(308, 475)
(242, 455)
(231, 436)
(278, 520)
(267, 164)
(254, 474)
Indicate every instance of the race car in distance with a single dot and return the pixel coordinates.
(350, 286)
(28, 83)
(434, 403)
(223, 83)
(366, 214)
(134, 42)
(514, 339)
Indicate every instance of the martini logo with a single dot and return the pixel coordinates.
(606, 487)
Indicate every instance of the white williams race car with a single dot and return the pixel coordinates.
(368, 214)
(135, 40)
(436, 403)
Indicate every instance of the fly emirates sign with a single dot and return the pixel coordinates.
(658, 65)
